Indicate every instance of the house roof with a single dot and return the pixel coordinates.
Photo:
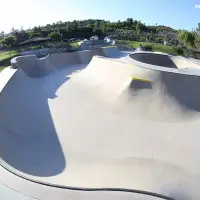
(36, 39)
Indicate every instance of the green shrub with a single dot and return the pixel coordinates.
(148, 47)
(35, 47)
(178, 50)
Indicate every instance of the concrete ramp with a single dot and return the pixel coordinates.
(181, 62)
(154, 59)
(111, 52)
(108, 77)
(73, 58)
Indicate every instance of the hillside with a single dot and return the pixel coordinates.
(86, 28)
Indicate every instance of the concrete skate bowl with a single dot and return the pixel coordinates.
(113, 52)
(178, 76)
(63, 125)
(30, 101)
(164, 60)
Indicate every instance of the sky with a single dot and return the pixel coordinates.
(178, 14)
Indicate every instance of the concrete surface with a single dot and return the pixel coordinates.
(8, 194)
(69, 123)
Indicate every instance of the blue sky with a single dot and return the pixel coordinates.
(179, 14)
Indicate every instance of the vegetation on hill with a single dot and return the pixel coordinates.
(87, 28)
(129, 29)
(154, 47)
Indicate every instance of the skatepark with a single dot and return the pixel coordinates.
(101, 124)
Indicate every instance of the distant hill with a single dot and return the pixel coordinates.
(128, 29)
(161, 28)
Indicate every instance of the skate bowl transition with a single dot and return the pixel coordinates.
(101, 124)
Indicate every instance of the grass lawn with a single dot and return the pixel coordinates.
(1, 68)
(155, 47)
(74, 44)
(5, 58)
(7, 54)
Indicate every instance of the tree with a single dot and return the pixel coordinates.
(131, 21)
(8, 41)
(103, 27)
(74, 26)
(94, 30)
(20, 36)
(128, 21)
(197, 42)
(32, 35)
(178, 50)
(118, 24)
(2, 34)
(159, 40)
(55, 35)
(187, 38)
(138, 26)
(142, 39)
(198, 28)
(97, 24)
(172, 42)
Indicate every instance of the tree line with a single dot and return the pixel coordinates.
(128, 29)
(190, 39)
(134, 29)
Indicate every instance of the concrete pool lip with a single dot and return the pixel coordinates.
(193, 71)
(57, 92)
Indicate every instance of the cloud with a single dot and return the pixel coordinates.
(197, 6)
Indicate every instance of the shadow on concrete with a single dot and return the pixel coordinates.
(178, 191)
(154, 59)
(28, 138)
(183, 88)
(117, 54)
(140, 84)
(59, 78)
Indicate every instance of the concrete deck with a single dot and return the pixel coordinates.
(69, 123)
